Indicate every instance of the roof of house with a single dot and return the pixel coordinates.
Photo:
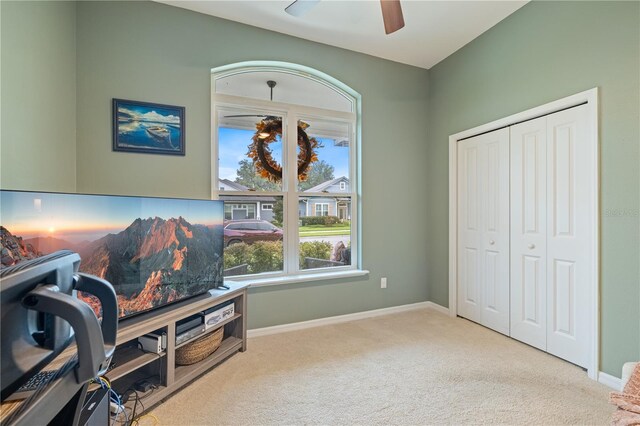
(234, 185)
(324, 185)
(244, 199)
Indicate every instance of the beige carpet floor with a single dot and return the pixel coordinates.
(414, 368)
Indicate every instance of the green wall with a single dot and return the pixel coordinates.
(153, 52)
(546, 51)
(64, 62)
(38, 135)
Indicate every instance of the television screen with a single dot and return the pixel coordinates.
(154, 251)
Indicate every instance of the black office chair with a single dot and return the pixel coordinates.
(38, 310)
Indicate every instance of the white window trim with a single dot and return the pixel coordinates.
(343, 185)
(264, 207)
(322, 209)
(291, 237)
(316, 275)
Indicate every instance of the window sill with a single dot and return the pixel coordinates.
(298, 278)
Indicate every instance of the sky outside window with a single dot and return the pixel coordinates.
(233, 143)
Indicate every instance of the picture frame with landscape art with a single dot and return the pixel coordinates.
(148, 128)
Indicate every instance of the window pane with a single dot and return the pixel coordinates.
(240, 142)
(244, 211)
(291, 88)
(325, 232)
(330, 173)
(252, 244)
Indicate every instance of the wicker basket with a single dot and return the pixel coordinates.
(200, 348)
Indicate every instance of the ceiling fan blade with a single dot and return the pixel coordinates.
(300, 7)
(392, 15)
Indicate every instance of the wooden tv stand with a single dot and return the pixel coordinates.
(132, 365)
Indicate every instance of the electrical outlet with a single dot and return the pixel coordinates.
(383, 282)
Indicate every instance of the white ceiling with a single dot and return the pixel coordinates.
(433, 29)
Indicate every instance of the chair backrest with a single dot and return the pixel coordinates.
(29, 339)
(39, 309)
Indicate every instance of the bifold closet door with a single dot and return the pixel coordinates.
(570, 234)
(529, 232)
(552, 228)
(483, 229)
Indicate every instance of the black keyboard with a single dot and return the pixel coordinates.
(40, 379)
(37, 381)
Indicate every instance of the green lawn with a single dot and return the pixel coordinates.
(322, 230)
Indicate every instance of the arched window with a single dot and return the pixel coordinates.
(285, 144)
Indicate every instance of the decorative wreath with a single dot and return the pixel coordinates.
(260, 152)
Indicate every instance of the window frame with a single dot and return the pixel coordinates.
(291, 113)
(322, 209)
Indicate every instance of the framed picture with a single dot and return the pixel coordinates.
(148, 128)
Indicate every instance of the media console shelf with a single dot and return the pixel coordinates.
(132, 365)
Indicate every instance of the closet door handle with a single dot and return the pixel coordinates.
(491, 242)
(531, 246)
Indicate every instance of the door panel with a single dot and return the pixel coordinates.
(532, 307)
(491, 261)
(483, 229)
(495, 229)
(528, 232)
(468, 232)
(532, 152)
(570, 234)
(563, 179)
(563, 287)
(492, 188)
(472, 188)
(472, 282)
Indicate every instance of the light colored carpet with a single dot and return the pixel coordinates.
(413, 368)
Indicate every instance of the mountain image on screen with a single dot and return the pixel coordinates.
(15, 249)
(150, 263)
(155, 262)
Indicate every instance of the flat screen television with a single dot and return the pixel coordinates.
(154, 251)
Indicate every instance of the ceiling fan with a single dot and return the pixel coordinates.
(391, 12)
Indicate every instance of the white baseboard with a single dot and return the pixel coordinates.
(609, 380)
(438, 308)
(265, 331)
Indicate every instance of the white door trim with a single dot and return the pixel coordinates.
(590, 97)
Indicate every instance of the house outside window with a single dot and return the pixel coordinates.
(305, 219)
